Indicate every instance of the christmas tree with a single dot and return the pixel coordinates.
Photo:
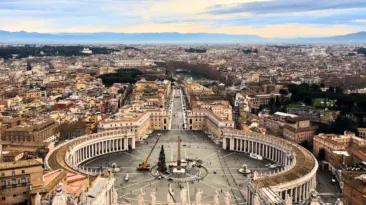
(161, 163)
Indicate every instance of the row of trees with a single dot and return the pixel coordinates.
(308, 94)
(199, 69)
(196, 50)
(25, 51)
(121, 76)
(361, 50)
(250, 50)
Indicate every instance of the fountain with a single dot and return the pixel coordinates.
(244, 170)
(115, 169)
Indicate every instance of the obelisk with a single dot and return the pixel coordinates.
(178, 159)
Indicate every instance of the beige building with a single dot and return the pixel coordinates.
(208, 112)
(17, 178)
(298, 130)
(146, 113)
(332, 142)
(255, 101)
(38, 130)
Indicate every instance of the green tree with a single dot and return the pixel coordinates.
(331, 89)
(315, 88)
(342, 124)
(271, 106)
(321, 154)
(283, 92)
(306, 145)
(338, 90)
(308, 101)
(278, 102)
(161, 163)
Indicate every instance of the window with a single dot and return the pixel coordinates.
(14, 182)
(3, 198)
(24, 180)
(3, 183)
(3, 174)
(14, 195)
(13, 173)
(25, 192)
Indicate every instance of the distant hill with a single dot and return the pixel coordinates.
(26, 37)
(140, 38)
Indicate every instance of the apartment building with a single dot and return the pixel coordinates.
(17, 178)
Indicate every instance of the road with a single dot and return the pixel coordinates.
(177, 111)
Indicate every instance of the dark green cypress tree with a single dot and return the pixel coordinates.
(161, 163)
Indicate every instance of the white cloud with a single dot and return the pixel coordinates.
(359, 21)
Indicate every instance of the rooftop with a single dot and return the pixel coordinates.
(21, 164)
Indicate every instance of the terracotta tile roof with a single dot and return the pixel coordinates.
(50, 181)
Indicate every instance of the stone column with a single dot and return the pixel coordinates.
(82, 154)
(301, 193)
(115, 145)
(133, 142)
(266, 151)
(245, 145)
(296, 198)
(231, 140)
(126, 143)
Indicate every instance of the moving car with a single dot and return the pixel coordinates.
(127, 177)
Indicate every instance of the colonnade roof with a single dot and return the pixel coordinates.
(305, 161)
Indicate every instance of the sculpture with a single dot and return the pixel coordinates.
(82, 198)
(115, 198)
(288, 200)
(169, 199)
(216, 198)
(140, 198)
(38, 199)
(183, 196)
(199, 197)
(227, 198)
(153, 197)
(71, 200)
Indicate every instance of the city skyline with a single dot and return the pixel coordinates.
(269, 19)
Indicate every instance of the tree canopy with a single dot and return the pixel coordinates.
(25, 51)
(121, 76)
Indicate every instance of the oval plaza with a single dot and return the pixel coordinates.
(291, 183)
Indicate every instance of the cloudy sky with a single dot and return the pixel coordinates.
(266, 18)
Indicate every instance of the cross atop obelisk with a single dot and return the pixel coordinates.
(178, 159)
